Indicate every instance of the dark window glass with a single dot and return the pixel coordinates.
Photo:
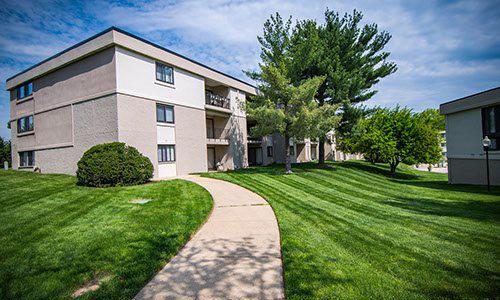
(30, 89)
(292, 150)
(491, 125)
(20, 92)
(164, 73)
(26, 159)
(269, 151)
(166, 153)
(25, 90)
(25, 124)
(164, 113)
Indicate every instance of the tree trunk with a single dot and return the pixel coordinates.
(288, 161)
(321, 153)
(394, 165)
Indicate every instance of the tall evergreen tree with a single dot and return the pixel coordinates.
(282, 105)
(350, 57)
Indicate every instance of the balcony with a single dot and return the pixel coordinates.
(217, 136)
(217, 100)
(254, 140)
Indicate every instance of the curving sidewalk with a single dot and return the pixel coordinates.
(236, 254)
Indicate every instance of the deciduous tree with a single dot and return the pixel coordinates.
(397, 135)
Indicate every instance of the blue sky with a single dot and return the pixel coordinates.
(444, 49)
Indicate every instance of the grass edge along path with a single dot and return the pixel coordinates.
(57, 236)
(352, 231)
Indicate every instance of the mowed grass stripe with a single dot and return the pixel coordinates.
(352, 232)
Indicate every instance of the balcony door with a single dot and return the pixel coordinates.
(211, 158)
(210, 128)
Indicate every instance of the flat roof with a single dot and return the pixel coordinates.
(119, 37)
(481, 99)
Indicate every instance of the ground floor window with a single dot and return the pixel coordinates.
(166, 153)
(27, 159)
(292, 150)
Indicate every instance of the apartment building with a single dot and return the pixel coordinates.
(186, 117)
(468, 121)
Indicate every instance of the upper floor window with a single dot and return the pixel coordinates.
(25, 90)
(164, 73)
(491, 125)
(27, 159)
(164, 113)
(25, 124)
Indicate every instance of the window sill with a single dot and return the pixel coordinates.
(165, 124)
(26, 133)
(166, 162)
(165, 84)
(26, 167)
(28, 98)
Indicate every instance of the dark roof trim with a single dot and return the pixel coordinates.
(135, 37)
(463, 98)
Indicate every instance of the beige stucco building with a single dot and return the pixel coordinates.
(468, 121)
(114, 86)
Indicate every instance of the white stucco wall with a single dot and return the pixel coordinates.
(136, 75)
(464, 134)
(238, 99)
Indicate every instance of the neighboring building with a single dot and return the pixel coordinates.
(114, 86)
(270, 149)
(468, 121)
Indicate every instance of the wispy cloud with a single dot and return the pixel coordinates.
(444, 49)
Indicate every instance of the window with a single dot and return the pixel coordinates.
(292, 150)
(491, 125)
(25, 124)
(27, 159)
(164, 73)
(269, 151)
(164, 113)
(166, 153)
(25, 90)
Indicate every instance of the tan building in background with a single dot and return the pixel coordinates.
(114, 86)
(468, 121)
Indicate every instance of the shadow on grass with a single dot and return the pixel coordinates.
(476, 210)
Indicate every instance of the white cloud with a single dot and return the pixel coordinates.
(443, 50)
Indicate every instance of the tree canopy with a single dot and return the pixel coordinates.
(282, 105)
(5, 149)
(398, 135)
(350, 56)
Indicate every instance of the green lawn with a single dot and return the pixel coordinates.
(352, 231)
(55, 236)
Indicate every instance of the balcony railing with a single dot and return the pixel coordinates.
(216, 100)
(254, 140)
(218, 134)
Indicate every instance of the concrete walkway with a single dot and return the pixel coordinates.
(235, 255)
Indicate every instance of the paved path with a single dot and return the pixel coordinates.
(235, 255)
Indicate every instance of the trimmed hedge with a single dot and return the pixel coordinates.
(113, 164)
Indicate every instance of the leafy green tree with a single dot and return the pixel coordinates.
(349, 117)
(349, 55)
(397, 135)
(433, 117)
(5, 150)
(282, 106)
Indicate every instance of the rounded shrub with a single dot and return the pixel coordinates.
(113, 164)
